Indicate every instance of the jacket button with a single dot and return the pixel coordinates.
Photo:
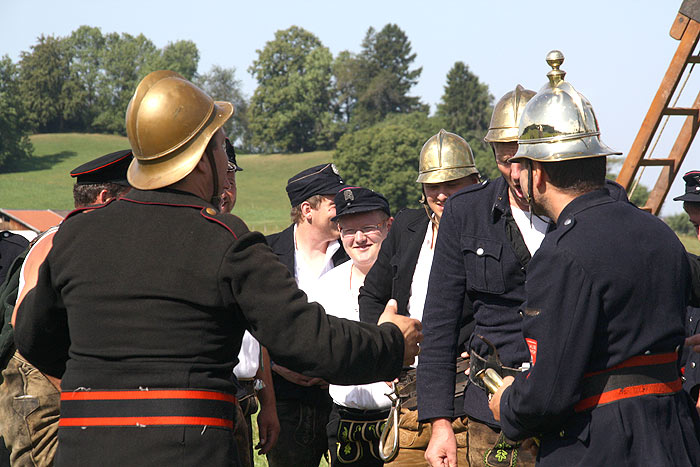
(480, 251)
(561, 434)
(692, 364)
(567, 221)
(211, 211)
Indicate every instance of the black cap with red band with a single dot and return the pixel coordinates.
(110, 168)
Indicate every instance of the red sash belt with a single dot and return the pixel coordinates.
(154, 407)
(642, 375)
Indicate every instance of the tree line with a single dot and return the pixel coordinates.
(305, 98)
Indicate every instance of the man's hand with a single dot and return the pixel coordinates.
(268, 428)
(298, 378)
(410, 328)
(694, 342)
(495, 400)
(465, 355)
(442, 449)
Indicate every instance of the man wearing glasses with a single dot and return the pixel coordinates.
(364, 220)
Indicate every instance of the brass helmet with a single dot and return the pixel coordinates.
(559, 123)
(444, 157)
(506, 115)
(169, 122)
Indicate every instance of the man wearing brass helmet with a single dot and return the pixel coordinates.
(606, 296)
(487, 238)
(402, 268)
(144, 333)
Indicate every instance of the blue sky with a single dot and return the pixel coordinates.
(616, 51)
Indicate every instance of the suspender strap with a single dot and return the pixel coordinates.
(642, 375)
(159, 407)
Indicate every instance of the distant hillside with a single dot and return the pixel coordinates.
(45, 183)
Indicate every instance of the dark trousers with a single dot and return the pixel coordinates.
(179, 446)
(302, 440)
(358, 441)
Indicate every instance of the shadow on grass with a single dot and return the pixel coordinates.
(35, 163)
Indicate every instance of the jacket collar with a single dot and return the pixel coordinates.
(583, 202)
(501, 204)
(167, 196)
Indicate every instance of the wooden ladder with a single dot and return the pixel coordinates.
(686, 29)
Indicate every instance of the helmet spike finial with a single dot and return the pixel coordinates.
(555, 58)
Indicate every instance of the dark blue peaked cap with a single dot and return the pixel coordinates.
(354, 200)
(322, 179)
(692, 187)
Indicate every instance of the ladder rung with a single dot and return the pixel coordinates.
(688, 111)
(694, 59)
(657, 162)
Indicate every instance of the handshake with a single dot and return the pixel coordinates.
(410, 328)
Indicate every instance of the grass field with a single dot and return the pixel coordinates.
(44, 182)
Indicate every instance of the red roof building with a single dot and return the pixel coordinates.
(28, 219)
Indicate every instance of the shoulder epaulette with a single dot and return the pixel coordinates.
(565, 227)
(14, 238)
(230, 222)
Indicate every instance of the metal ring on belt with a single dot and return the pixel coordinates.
(148, 407)
(638, 376)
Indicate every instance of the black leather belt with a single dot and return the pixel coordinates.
(406, 387)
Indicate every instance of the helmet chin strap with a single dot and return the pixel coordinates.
(216, 197)
(431, 215)
(530, 195)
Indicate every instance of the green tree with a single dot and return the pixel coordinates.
(80, 92)
(680, 223)
(290, 108)
(383, 77)
(126, 60)
(346, 70)
(181, 57)
(466, 103)
(427, 126)
(640, 195)
(43, 74)
(221, 84)
(14, 143)
(384, 158)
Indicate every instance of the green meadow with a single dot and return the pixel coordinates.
(44, 182)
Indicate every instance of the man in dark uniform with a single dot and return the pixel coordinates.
(144, 333)
(29, 399)
(401, 271)
(309, 248)
(486, 240)
(11, 245)
(690, 359)
(603, 319)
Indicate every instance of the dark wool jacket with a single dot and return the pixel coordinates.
(610, 284)
(155, 291)
(282, 244)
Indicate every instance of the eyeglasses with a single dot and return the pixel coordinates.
(367, 230)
